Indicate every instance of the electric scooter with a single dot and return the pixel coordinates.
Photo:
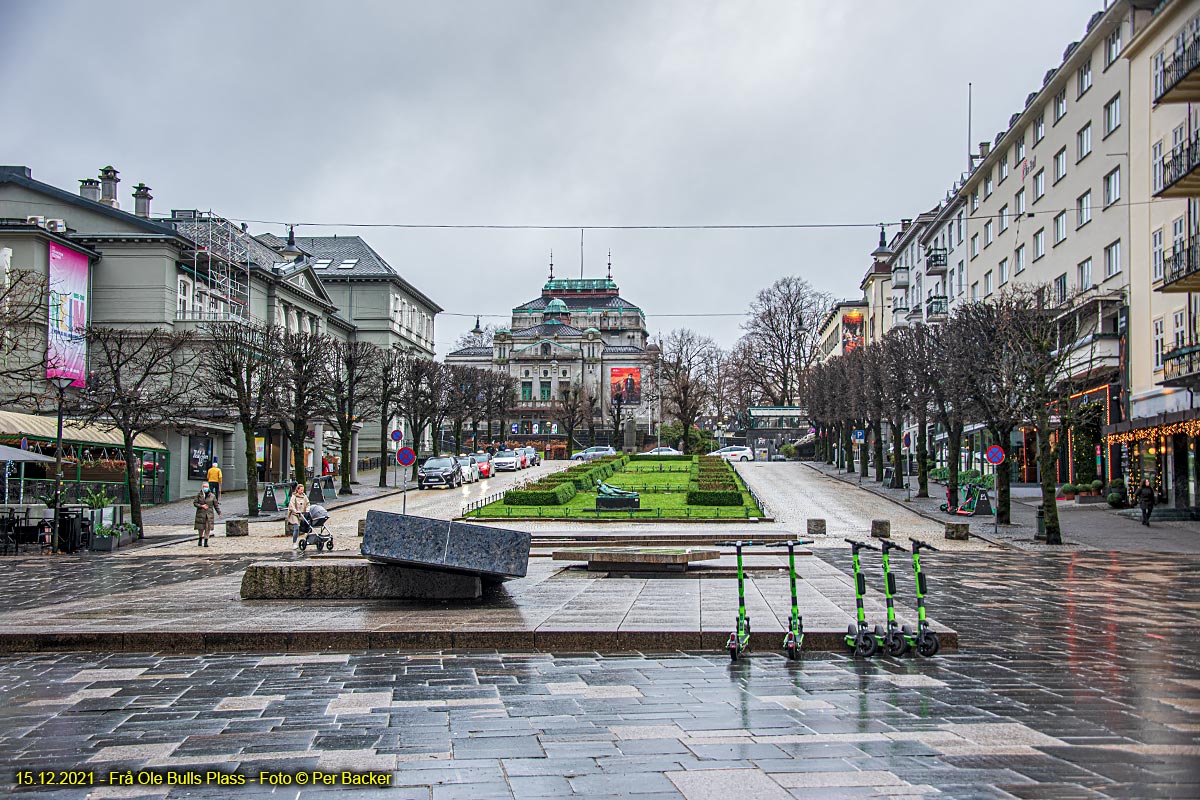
(925, 641)
(893, 639)
(859, 636)
(739, 640)
(795, 634)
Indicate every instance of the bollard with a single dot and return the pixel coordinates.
(1041, 524)
(881, 529)
(237, 527)
(816, 527)
(960, 531)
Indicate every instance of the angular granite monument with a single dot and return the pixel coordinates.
(434, 544)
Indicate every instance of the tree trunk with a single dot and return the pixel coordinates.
(1046, 472)
(458, 432)
(829, 432)
(131, 487)
(1004, 481)
(923, 455)
(877, 435)
(251, 468)
(344, 461)
(848, 444)
(296, 441)
(954, 435)
(383, 440)
(897, 454)
(864, 459)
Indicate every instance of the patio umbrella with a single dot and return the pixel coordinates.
(16, 454)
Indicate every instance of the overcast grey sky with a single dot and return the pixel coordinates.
(552, 113)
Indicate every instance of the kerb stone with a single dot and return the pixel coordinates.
(881, 529)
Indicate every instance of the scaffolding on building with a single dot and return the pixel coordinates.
(220, 264)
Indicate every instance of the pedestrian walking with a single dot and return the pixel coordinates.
(208, 508)
(297, 505)
(214, 478)
(1145, 501)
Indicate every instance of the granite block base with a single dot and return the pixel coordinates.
(604, 503)
(354, 579)
(478, 550)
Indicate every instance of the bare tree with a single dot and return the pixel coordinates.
(23, 308)
(686, 390)
(500, 392)
(783, 333)
(896, 375)
(140, 380)
(481, 339)
(920, 357)
(418, 395)
(572, 411)
(353, 392)
(951, 362)
(302, 396)
(238, 366)
(391, 363)
(464, 390)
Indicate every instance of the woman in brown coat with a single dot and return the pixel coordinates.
(208, 508)
(297, 505)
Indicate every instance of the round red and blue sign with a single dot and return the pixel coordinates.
(406, 457)
(994, 455)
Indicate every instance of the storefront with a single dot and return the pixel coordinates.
(1162, 451)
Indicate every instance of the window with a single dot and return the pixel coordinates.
(1083, 142)
(1178, 237)
(526, 390)
(951, 282)
(975, 201)
(1019, 152)
(1060, 288)
(1003, 170)
(1156, 251)
(1060, 105)
(1060, 227)
(974, 291)
(1039, 185)
(960, 227)
(1180, 320)
(1085, 274)
(1003, 271)
(987, 283)
(1020, 259)
(184, 302)
(1112, 47)
(1060, 165)
(987, 186)
(1112, 115)
(1083, 209)
(1112, 259)
(1083, 78)
(962, 277)
(1039, 128)
(974, 245)
(1112, 187)
(1158, 71)
(1039, 244)
(1003, 218)
(1019, 202)
(1158, 344)
(543, 390)
(348, 263)
(1156, 161)
(988, 235)
(322, 263)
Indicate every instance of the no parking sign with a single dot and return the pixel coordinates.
(995, 455)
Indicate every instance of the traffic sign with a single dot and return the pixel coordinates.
(907, 441)
(860, 435)
(406, 456)
(995, 455)
(397, 435)
(24, 443)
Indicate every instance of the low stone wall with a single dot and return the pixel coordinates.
(353, 579)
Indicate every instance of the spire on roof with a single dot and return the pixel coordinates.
(610, 264)
(551, 265)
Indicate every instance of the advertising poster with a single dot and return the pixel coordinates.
(66, 349)
(852, 331)
(626, 383)
(260, 448)
(200, 451)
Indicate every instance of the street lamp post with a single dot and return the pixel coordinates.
(60, 383)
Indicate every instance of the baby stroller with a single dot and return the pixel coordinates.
(313, 530)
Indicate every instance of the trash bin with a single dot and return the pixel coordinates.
(1041, 523)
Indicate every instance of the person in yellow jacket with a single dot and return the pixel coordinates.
(214, 479)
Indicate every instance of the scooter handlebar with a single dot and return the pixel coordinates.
(793, 543)
(918, 545)
(889, 545)
(862, 545)
(733, 544)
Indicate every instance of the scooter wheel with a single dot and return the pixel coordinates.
(733, 653)
(929, 645)
(897, 645)
(793, 652)
(865, 646)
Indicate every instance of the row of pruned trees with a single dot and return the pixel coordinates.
(1005, 364)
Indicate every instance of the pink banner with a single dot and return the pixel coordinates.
(66, 348)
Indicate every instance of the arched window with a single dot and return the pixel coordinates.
(545, 349)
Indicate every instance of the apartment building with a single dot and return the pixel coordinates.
(909, 279)
(876, 287)
(841, 331)
(1158, 439)
(943, 240)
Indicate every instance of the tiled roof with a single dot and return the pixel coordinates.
(577, 303)
(623, 349)
(352, 257)
(545, 329)
(222, 241)
(473, 352)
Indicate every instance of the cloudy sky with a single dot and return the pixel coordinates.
(538, 113)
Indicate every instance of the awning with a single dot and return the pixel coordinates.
(14, 425)
(17, 454)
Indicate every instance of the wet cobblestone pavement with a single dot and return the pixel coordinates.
(1076, 678)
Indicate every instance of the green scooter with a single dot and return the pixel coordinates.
(896, 641)
(925, 641)
(739, 640)
(795, 635)
(859, 636)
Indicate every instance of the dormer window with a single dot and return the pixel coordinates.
(322, 263)
(348, 263)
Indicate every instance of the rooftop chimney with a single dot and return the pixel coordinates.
(89, 189)
(904, 223)
(984, 149)
(141, 200)
(108, 187)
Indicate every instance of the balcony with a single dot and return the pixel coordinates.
(935, 260)
(1180, 178)
(1181, 268)
(1181, 79)
(1181, 367)
(1093, 354)
(937, 308)
(900, 277)
(915, 314)
(899, 311)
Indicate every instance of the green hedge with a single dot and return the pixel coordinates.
(540, 496)
(699, 497)
(651, 459)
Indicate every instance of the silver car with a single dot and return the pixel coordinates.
(734, 453)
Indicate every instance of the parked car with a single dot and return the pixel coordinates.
(506, 461)
(440, 471)
(734, 453)
(662, 451)
(484, 462)
(532, 456)
(470, 468)
(593, 453)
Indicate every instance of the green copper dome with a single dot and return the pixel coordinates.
(556, 306)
